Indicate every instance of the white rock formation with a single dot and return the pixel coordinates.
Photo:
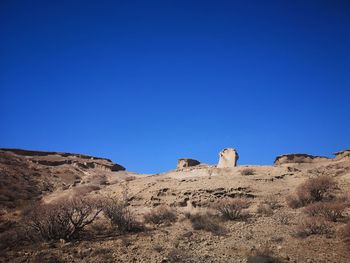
(228, 158)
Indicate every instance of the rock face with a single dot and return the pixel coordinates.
(299, 158)
(186, 162)
(60, 158)
(342, 155)
(30, 175)
(228, 158)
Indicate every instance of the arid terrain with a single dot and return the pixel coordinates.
(229, 213)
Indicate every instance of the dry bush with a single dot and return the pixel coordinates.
(313, 190)
(284, 219)
(11, 234)
(345, 234)
(161, 215)
(264, 209)
(331, 211)
(233, 209)
(264, 254)
(120, 216)
(313, 226)
(293, 201)
(272, 201)
(247, 171)
(179, 255)
(64, 219)
(207, 222)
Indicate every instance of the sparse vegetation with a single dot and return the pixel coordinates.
(161, 215)
(264, 254)
(207, 222)
(247, 171)
(64, 219)
(313, 190)
(233, 209)
(345, 234)
(264, 209)
(120, 216)
(313, 226)
(331, 211)
(178, 255)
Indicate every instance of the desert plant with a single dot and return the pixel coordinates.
(263, 254)
(207, 222)
(345, 234)
(232, 209)
(178, 255)
(313, 190)
(331, 211)
(161, 215)
(120, 216)
(264, 209)
(247, 171)
(313, 226)
(64, 219)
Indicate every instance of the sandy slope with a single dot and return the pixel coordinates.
(197, 189)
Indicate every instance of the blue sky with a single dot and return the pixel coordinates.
(147, 82)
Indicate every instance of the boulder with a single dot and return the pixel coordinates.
(342, 155)
(299, 158)
(228, 158)
(186, 162)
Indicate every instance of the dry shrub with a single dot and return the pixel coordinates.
(247, 171)
(11, 234)
(331, 211)
(64, 219)
(293, 201)
(207, 222)
(284, 219)
(233, 209)
(179, 255)
(313, 226)
(264, 254)
(120, 216)
(161, 215)
(313, 190)
(264, 209)
(345, 234)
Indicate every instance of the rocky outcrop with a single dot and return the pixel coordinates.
(61, 158)
(228, 158)
(186, 162)
(342, 155)
(299, 158)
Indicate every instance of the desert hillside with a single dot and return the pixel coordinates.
(296, 210)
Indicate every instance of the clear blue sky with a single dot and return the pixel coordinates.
(147, 82)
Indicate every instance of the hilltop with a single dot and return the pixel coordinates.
(29, 178)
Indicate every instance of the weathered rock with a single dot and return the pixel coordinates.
(61, 158)
(186, 162)
(228, 158)
(299, 158)
(342, 155)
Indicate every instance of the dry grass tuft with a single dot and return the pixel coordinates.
(161, 215)
(313, 226)
(247, 171)
(332, 211)
(207, 222)
(120, 216)
(233, 209)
